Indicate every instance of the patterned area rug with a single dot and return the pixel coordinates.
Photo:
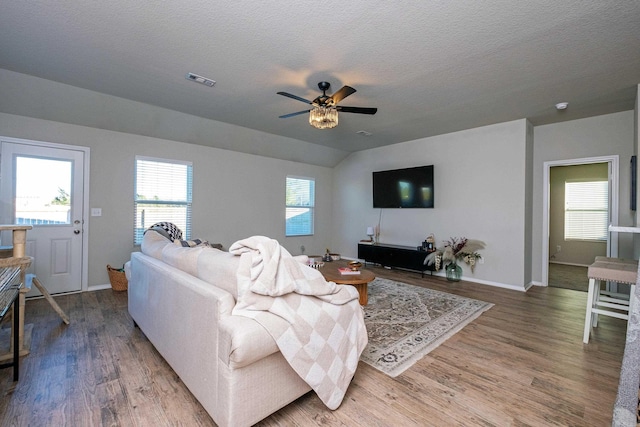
(406, 322)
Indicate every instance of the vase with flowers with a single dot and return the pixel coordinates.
(456, 249)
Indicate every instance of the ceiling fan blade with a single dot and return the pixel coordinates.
(288, 95)
(294, 114)
(359, 110)
(342, 94)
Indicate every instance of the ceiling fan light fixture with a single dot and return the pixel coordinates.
(323, 117)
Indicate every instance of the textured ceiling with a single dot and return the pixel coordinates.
(430, 67)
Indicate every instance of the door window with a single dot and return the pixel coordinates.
(43, 191)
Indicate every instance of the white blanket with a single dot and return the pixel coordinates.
(317, 325)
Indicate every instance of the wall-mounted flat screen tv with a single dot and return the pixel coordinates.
(403, 188)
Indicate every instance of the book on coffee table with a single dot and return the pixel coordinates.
(346, 271)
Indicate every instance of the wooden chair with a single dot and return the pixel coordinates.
(606, 303)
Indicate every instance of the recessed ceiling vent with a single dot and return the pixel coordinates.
(200, 79)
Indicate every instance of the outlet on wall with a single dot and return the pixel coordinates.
(558, 248)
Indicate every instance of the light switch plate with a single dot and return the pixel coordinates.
(96, 211)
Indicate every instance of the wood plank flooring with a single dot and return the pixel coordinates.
(522, 363)
(568, 277)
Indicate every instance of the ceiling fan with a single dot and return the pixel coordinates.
(324, 111)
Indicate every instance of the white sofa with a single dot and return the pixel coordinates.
(182, 298)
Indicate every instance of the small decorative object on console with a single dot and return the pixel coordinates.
(429, 244)
(370, 233)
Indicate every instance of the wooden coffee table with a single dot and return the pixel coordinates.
(360, 281)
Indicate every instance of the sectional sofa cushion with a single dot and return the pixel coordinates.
(206, 263)
(153, 242)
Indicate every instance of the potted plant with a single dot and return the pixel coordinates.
(454, 250)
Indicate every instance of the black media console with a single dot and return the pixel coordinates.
(406, 257)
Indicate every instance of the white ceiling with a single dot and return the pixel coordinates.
(430, 67)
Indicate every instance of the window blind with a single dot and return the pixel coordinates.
(586, 215)
(300, 206)
(163, 193)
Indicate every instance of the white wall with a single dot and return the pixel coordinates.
(528, 206)
(488, 180)
(611, 134)
(29, 96)
(235, 195)
(480, 193)
(636, 150)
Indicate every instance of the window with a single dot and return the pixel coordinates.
(586, 212)
(163, 190)
(300, 203)
(43, 202)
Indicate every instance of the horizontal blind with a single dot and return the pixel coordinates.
(300, 206)
(586, 214)
(163, 193)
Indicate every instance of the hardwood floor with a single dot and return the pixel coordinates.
(520, 363)
(568, 277)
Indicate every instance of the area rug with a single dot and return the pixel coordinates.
(405, 322)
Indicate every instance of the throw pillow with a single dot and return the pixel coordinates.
(192, 243)
(168, 230)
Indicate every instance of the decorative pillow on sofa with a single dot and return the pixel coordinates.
(167, 229)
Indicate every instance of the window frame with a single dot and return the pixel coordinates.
(188, 202)
(311, 206)
(578, 236)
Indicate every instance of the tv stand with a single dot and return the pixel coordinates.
(389, 256)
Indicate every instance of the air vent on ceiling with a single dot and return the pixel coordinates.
(200, 79)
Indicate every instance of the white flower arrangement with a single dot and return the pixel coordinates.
(454, 250)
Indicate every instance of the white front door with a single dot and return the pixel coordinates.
(43, 186)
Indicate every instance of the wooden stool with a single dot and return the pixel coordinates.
(607, 303)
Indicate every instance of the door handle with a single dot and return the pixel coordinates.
(76, 231)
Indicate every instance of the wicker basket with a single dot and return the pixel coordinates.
(117, 278)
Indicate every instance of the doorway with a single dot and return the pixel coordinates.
(44, 185)
(551, 250)
(578, 222)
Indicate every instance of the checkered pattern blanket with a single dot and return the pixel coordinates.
(317, 325)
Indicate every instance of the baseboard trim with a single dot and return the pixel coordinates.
(568, 263)
(497, 284)
(98, 287)
(441, 273)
